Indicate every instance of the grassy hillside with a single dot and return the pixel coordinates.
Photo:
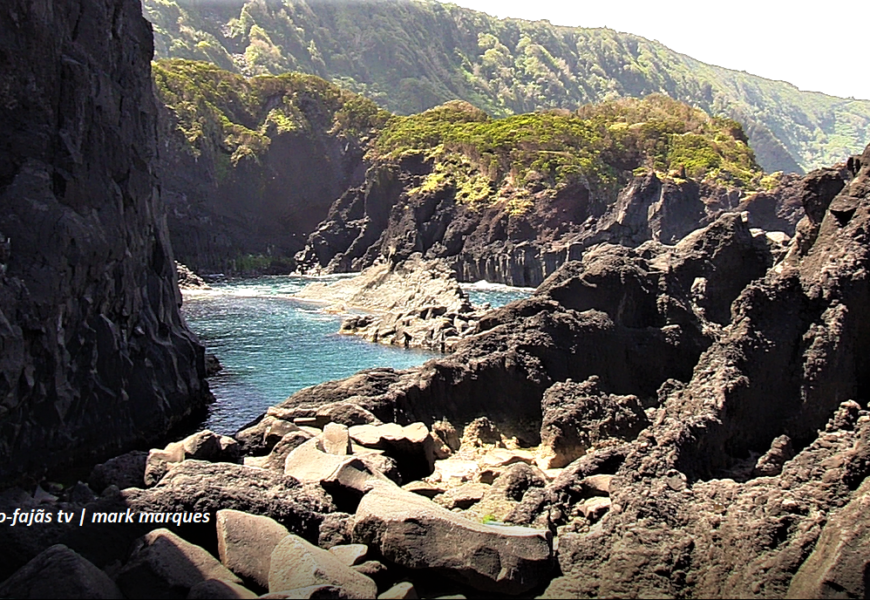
(251, 166)
(412, 55)
(484, 160)
(234, 118)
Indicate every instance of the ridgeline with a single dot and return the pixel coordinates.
(412, 56)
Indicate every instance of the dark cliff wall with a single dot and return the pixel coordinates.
(249, 167)
(261, 209)
(389, 217)
(94, 355)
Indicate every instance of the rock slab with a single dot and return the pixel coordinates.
(163, 565)
(296, 564)
(415, 533)
(246, 542)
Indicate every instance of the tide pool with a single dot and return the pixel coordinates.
(271, 345)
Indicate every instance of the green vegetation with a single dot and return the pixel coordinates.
(251, 263)
(234, 118)
(411, 56)
(599, 146)
(479, 159)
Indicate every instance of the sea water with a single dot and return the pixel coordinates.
(271, 345)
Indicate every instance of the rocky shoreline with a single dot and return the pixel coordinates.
(413, 304)
(680, 409)
(685, 420)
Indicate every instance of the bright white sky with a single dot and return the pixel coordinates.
(817, 47)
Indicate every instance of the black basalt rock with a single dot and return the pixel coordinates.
(95, 355)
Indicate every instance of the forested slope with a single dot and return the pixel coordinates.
(411, 56)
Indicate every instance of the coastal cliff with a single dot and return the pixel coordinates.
(95, 354)
(249, 167)
(510, 200)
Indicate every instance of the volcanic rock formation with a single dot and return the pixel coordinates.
(383, 220)
(95, 355)
(667, 420)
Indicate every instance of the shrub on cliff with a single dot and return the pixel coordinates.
(235, 118)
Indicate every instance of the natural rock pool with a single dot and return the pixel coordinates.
(271, 345)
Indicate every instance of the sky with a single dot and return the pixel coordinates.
(816, 46)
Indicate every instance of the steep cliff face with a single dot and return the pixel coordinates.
(392, 217)
(95, 355)
(249, 167)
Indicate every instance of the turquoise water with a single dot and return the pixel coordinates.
(271, 345)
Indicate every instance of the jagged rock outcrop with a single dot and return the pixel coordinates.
(633, 317)
(790, 362)
(578, 417)
(95, 355)
(415, 304)
(384, 220)
(723, 407)
(188, 280)
(754, 380)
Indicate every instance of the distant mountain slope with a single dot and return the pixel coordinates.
(412, 55)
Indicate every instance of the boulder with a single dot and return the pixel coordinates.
(599, 484)
(580, 416)
(278, 456)
(516, 480)
(124, 471)
(219, 589)
(197, 486)
(594, 508)
(350, 554)
(336, 439)
(296, 563)
(411, 446)
(202, 445)
(310, 464)
(415, 533)
(344, 413)
(162, 565)
(378, 463)
(245, 543)
(159, 462)
(446, 432)
(260, 437)
(347, 478)
(453, 468)
(59, 570)
(462, 497)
